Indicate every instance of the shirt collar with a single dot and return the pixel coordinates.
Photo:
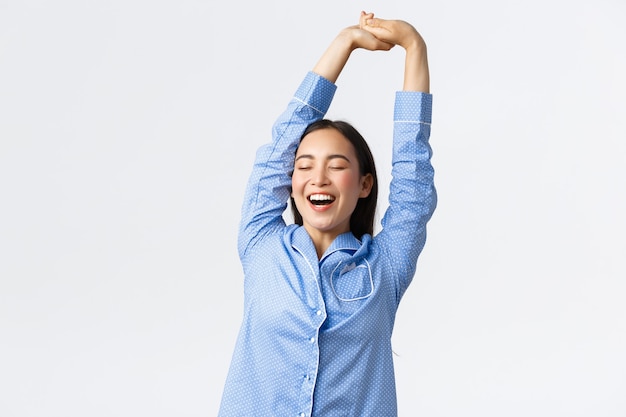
(346, 242)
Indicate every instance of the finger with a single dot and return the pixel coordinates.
(378, 27)
(375, 22)
(388, 45)
(382, 45)
(363, 18)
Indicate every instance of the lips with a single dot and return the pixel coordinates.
(321, 199)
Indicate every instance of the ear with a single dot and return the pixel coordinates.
(367, 182)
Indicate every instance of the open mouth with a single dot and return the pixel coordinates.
(321, 199)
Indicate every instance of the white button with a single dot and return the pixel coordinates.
(312, 340)
(301, 414)
(318, 312)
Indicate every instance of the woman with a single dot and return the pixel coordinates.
(320, 296)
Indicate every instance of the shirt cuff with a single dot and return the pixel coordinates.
(413, 106)
(316, 91)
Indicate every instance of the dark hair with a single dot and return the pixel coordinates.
(362, 218)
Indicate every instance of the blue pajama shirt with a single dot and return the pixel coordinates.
(316, 333)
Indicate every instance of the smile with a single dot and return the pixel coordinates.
(321, 199)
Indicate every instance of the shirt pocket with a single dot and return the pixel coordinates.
(351, 282)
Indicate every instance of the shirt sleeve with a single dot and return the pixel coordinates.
(412, 194)
(269, 185)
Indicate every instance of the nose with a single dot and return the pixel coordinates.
(319, 177)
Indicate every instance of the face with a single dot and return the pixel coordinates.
(326, 182)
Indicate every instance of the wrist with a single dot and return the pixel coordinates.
(416, 47)
(346, 40)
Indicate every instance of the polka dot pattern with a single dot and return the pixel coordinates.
(316, 333)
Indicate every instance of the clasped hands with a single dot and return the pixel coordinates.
(377, 34)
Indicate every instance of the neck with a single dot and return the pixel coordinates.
(321, 240)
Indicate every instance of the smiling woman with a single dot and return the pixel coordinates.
(321, 295)
(328, 183)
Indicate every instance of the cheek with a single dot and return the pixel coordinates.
(347, 182)
(296, 183)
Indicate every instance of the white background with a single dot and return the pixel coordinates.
(127, 131)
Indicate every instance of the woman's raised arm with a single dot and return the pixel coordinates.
(399, 32)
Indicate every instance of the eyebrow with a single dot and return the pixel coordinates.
(328, 158)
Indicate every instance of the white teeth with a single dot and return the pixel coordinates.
(321, 197)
